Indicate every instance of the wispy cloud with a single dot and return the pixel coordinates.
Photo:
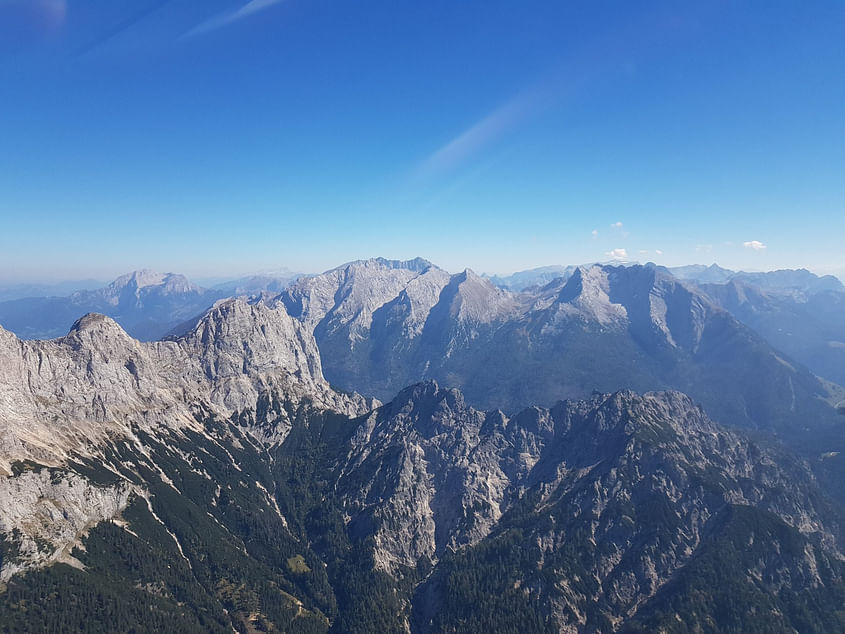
(123, 25)
(481, 134)
(52, 13)
(658, 252)
(230, 17)
(617, 254)
(755, 245)
(617, 225)
(595, 233)
(582, 68)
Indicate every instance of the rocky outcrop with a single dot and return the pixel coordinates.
(45, 513)
(610, 499)
(69, 395)
(427, 474)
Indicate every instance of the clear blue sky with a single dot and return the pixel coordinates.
(223, 137)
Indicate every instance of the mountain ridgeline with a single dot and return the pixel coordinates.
(380, 327)
(535, 466)
(148, 305)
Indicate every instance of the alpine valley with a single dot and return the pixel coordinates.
(388, 447)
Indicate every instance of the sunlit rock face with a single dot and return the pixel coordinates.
(72, 393)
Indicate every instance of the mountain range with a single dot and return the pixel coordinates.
(390, 447)
(796, 311)
(146, 303)
(217, 481)
(382, 325)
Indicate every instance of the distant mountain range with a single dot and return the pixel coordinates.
(147, 304)
(784, 280)
(796, 311)
(56, 289)
(795, 280)
(252, 284)
(522, 280)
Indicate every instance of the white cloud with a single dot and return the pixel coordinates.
(617, 225)
(229, 17)
(595, 233)
(643, 251)
(754, 244)
(617, 254)
(704, 248)
(658, 252)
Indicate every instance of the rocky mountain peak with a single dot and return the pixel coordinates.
(97, 330)
(416, 264)
(103, 381)
(431, 404)
(176, 283)
(586, 293)
(416, 468)
(145, 281)
(93, 321)
(473, 298)
(239, 336)
(346, 298)
(138, 279)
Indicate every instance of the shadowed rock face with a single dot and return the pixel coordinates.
(808, 326)
(627, 491)
(428, 442)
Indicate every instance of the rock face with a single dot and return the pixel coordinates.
(47, 513)
(67, 394)
(578, 516)
(67, 399)
(446, 473)
(381, 326)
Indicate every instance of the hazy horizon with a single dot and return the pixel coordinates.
(208, 280)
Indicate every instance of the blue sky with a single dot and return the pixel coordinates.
(225, 137)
